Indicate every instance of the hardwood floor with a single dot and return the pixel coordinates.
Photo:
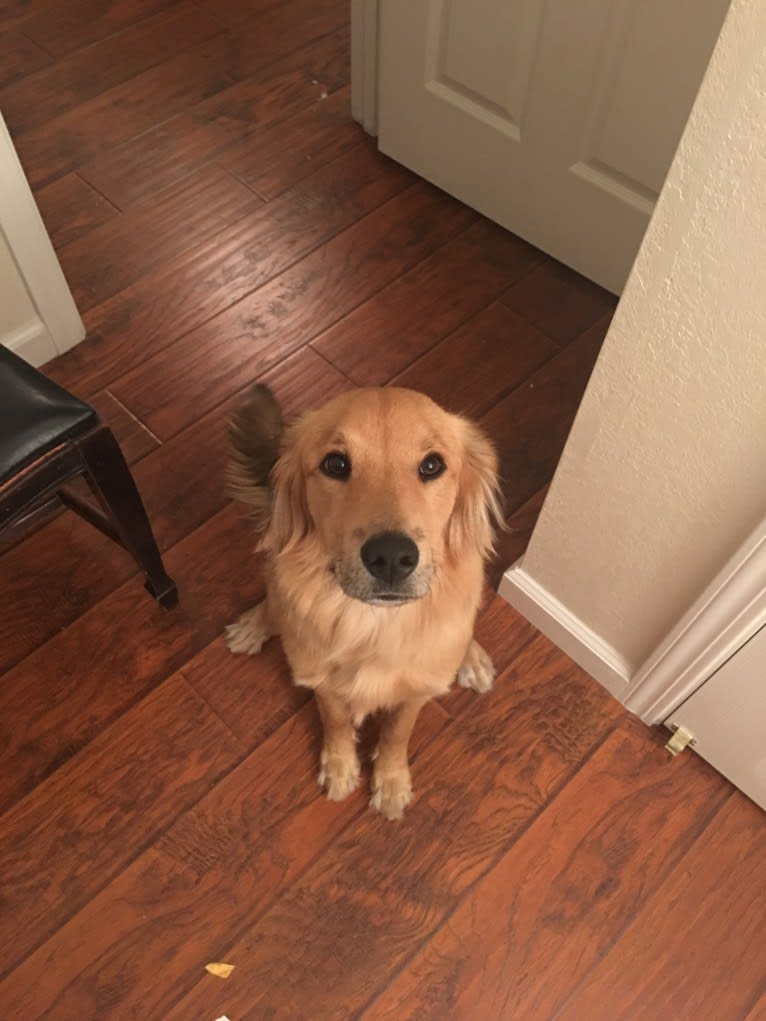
(220, 218)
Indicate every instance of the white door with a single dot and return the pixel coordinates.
(726, 716)
(38, 316)
(556, 118)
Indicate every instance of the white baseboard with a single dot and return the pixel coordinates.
(32, 342)
(568, 632)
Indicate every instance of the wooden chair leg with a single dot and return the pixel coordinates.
(112, 481)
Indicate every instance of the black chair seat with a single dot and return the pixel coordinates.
(36, 414)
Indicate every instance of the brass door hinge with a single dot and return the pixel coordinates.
(681, 739)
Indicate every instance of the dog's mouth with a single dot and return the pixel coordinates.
(389, 599)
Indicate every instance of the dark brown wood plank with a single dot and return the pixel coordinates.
(530, 425)
(181, 903)
(50, 577)
(277, 158)
(421, 307)
(135, 440)
(356, 915)
(233, 14)
(253, 695)
(480, 363)
(82, 75)
(81, 827)
(113, 256)
(183, 482)
(19, 56)
(13, 11)
(564, 892)
(81, 134)
(70, 208)
(194, 287)
(558, 301)
(62, 695)
(71, 24)
(206, 366)
(142, 166)
(711, 966)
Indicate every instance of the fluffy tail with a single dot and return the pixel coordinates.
(255, 429)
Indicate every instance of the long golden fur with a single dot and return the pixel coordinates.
(376, 513)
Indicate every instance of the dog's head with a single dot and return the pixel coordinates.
(388, 484)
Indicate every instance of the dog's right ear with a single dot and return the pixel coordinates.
(290, 520)
(255, 431)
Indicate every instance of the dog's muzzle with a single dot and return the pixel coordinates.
(386, 572)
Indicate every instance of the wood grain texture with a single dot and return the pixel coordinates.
(559, 301)
(140, 167)
(113, 256)
(251, 694)
(531, 424)
(181, 904)
(19, 56)
(70, 208)
(191, 289)
(60, 697)
(480, 363)
(409, 316)
(206, 366)
(63, 27)
(57, 851)
(135, 440)
(91, 128)
(340, 931)
(758, 1012)
(52, 576)
(567, 889)
(234, 14)
(183, 482)
(138, 849)
(87, 73)
(713, 965)
(283, 155)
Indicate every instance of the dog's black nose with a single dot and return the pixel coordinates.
(390, 556)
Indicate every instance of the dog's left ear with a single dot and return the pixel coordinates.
(478, 509)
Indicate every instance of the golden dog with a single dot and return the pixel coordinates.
(377, 513)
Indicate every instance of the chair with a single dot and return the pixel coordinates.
(48, 438)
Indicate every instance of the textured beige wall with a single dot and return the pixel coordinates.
(664, 472)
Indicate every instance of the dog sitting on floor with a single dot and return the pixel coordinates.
(377, 512)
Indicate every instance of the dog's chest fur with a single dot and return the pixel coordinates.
(375, 657)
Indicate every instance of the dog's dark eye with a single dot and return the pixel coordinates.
(431, 467)
(336, 465)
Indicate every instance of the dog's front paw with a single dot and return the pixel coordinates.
(477, 670)
(391, 793)
(338, 774)
(249, 632)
